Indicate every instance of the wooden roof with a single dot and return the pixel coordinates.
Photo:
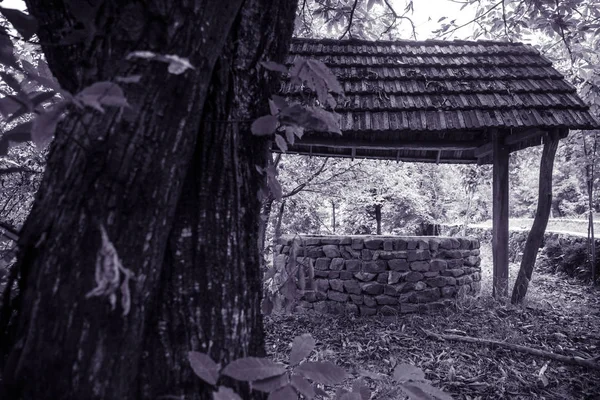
(439, 101)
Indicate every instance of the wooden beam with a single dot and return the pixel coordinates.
(500, 215)
(535, 237)
(388, 145)
(484, 150)
(523, 136)
(391, 157)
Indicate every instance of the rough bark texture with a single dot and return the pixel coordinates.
(127, 175)
(536, 234)
(500, 216)
(212, 289)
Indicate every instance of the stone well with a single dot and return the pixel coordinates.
(367, 275)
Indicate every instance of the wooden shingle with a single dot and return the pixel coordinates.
(450, 92)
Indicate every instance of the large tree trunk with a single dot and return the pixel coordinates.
(210, 300)
(535, 237)
(126, 174)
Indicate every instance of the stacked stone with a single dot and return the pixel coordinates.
(387, 275)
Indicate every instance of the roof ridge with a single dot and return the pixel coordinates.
(431, 42)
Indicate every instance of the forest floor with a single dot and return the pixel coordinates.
(560, 316)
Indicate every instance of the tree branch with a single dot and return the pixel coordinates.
(588, 363)
(347, 31)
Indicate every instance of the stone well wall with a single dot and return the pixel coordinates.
(367, 275)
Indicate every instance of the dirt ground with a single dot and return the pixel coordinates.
(559, 316)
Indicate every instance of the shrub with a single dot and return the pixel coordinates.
(570, 258)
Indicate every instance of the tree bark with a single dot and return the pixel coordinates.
(536, 234)
(126, 174)
(211, 297)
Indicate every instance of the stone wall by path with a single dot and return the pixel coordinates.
(517, 238)
(367, 275)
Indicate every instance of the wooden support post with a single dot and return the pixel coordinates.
(500, 215)
(536, 234)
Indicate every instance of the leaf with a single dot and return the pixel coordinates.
(141, 54)
(303, 386)
(280, 102)
(7, 55)
(324, 372)
(225, 393)
(321, 392)
(424, 391)
(264, 125)
(270, 384)
(358, 386)
(302, 346)
(25, 24)
(273, 108)
(542, 374)
(8, 105)
(275, 187)
(281, 143)
(269, 274)
(41, 97)
(19, 134)
(204, 367)
(285, 393)
(44, 125)
(178, 65)
(102, 94)
(273, 66)
(253, 369)
(371, 3)
(289, 135)
(12, 82)
(129, 79)
(350, 396)
(407, 372)
(267, 306)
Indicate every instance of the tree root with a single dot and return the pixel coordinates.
(588, 363)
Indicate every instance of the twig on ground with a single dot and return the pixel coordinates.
(524, 349)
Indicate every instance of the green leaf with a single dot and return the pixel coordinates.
(177, 65)
(371, 3)
(281, 143)
(270, 384)
(102, 94)
(253, 369)
(325, 372)
(424, 391)
(351, 396)
(25, 24)
(44, 125)
(267, 306)
(9, 105)
(12, 82)
(129, 79)
(225, 393)
(265, 125)
(408, 372)
(38, 98)
(273, 66)
(302, 346)
(7, 55)
(19, 134)
(285, 393)
(204, 367)
(304, 387)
